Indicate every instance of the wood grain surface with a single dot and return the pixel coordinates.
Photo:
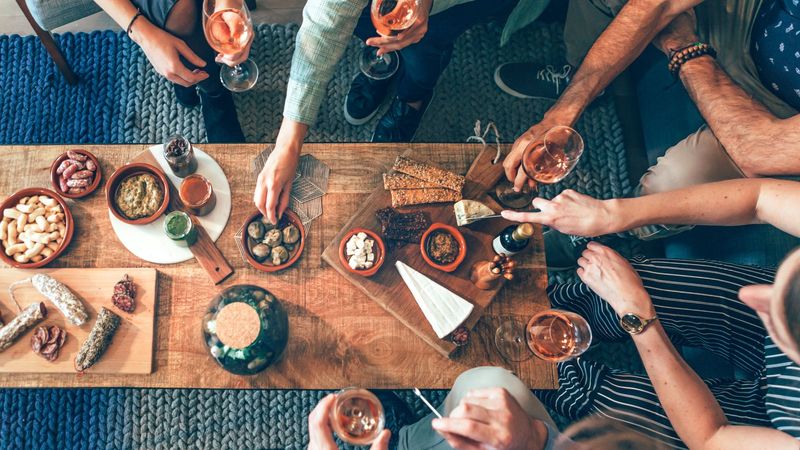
(387, 287)
(131, 351)
(338, 337)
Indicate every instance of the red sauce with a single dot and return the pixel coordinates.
(197, 195)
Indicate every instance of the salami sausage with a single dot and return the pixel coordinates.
(98, 341)
(26, 319)
(65, 300)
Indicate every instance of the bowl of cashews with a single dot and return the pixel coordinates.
(35, 228)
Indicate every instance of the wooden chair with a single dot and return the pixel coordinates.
(46, 15)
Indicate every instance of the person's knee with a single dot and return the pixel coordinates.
(183, 18)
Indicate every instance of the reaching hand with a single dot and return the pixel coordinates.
(612, 277)
(409, 36)
(320, 433)
(491, 419)
(274, 185)
(164, 52)
(679, 33)
(569, 212)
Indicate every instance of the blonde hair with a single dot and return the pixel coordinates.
(601, 433)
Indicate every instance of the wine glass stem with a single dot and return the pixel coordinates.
(237, 69)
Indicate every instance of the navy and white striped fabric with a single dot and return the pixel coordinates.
(698, 305)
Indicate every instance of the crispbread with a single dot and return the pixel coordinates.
(402, 181)
(408, 197)
(427, 172)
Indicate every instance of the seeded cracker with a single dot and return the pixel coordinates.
(409, 197)
(429, 173)
(393, 181)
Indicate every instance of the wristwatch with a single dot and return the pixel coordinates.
(635, 324)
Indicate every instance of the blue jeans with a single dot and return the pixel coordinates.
(424, 62)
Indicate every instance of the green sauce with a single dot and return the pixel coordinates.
(179, 227)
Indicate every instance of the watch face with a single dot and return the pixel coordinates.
(631, 323)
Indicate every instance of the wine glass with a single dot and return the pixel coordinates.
(510, 339)
(229, 30)
(550, 159)
(556, 335)
(390, 17)
(357, 416)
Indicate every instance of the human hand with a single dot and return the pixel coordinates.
(409, 36)
(234, 24)
(679, 33)
(164, 52)
(513, 162)
(569, 212)
(236, 58)
(274, 184)
(491, 419)
(612, 277)
(320, 434)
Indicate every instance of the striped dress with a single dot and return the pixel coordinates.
(698, 305)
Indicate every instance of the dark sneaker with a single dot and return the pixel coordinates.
(364, 98)
(219, 116)
(400, 122)
(186, 96)
(529, 80)
(562, 251)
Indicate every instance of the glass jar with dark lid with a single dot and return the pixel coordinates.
(179, 154)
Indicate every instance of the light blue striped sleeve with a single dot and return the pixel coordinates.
(323, 37)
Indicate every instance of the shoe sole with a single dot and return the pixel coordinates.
(508, 90)
(358, 122)
(372, 138)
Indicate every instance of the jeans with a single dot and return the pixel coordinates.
(424, 62)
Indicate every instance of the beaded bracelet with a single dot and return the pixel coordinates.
(679, 57)
(130, 24)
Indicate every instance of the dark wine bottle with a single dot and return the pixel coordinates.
(513, 239)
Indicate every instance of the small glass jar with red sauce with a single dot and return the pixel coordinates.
(197, 195)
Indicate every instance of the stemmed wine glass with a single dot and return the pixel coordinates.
(229, 30)
(547, 160)
(357, 416)
(552, 335)
(390, 17)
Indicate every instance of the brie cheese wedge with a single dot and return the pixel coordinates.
(444, 310)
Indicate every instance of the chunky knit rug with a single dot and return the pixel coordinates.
(120, 99)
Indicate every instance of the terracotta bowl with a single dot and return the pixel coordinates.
(289, 217)
(98, 175)
(129, 170)
(453, 231)
(380, 251)
(13, 200)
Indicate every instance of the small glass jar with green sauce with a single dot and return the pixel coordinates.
(179, 227)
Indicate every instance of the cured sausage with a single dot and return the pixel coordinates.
(98, 341)
(26, 319)
(65, 300)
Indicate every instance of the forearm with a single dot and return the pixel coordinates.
(760, 143)
(731, 203)
(291, 135)
(616, 48)
(690, 406)
(122, 12)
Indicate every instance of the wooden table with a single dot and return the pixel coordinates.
(338, 336)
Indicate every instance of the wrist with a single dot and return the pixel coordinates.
(563, 114)
(618, 215)
(142, 30)
(291, 135)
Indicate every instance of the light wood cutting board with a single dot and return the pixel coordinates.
(130, 352)
(387, 287)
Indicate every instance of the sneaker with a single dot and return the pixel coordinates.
(186, 96)
(528, 80)
(562, 251)
(364, 98)
(219, 116)
(400, 122)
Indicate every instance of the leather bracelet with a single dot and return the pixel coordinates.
(679, 57)
(130, 24)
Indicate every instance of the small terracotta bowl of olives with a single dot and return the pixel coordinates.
(269, 247)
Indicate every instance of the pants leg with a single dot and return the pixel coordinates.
(697, 301)
(425, 61)
(421, 436)
(588, 388)
(586, 21)
(698, 159)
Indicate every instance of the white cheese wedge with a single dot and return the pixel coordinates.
(444, 310)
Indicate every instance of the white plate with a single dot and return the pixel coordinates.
(149, 242)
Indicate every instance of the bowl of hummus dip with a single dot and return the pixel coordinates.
(137, 193)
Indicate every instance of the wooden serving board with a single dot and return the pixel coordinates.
(131, 350)
(387, 287)
(205, 250)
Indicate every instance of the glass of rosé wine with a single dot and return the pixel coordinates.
(390, 18)
(229, 30)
